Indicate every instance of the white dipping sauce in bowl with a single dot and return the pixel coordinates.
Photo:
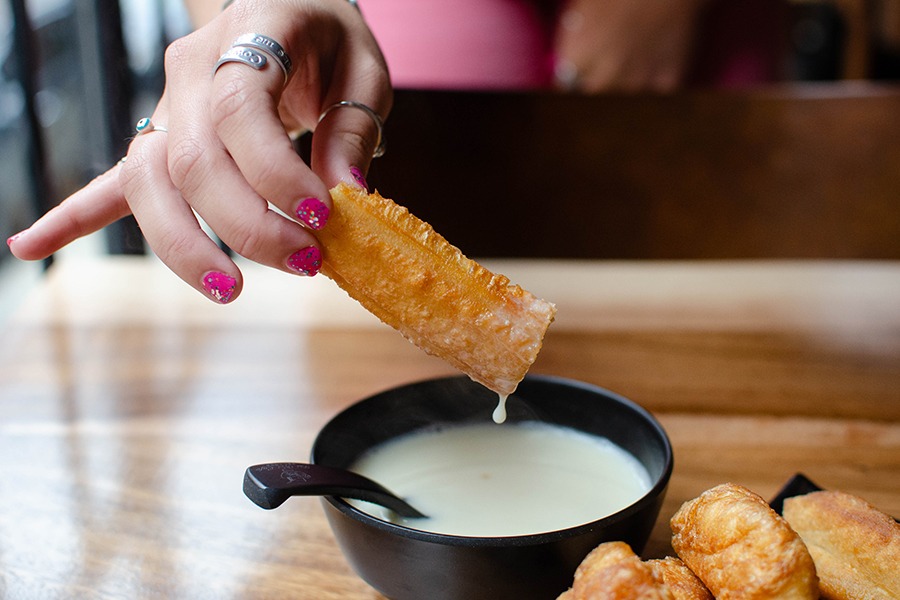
(490, 481)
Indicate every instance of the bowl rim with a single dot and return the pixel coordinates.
(656, 490)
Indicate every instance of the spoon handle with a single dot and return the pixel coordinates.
(269, 485)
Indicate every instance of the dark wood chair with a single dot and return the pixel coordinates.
(802, 171)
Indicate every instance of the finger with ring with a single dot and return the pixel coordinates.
(145, 125)
(379, 123)
(267, 45)
(243, 55)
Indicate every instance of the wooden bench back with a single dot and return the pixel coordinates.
(794, 172)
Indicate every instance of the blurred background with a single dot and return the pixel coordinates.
(70, 76)
(70, 81)
(76, 75)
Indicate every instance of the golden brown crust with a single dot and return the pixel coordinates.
(741, 548)
(856, 547)
(612, 571)
(678, 579)
(411, 278)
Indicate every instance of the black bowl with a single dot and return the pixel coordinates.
(408, 564)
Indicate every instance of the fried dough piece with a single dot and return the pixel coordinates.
(612, 571)
(855, 546)
(741, 548)
(678, 579)
(411, 278)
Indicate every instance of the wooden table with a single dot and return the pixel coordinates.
(130, 406)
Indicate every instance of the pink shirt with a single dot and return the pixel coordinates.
(508, 44)
(462, 44)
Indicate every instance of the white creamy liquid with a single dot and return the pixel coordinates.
(489, 481)
(499, 414)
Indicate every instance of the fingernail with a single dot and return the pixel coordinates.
(219, 286)
(313, 212)
(359, 177)
(307, 261)
(13, 238)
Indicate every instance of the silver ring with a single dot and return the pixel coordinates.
(379, 144)
(145, 125)
(243, 55)
(267, 45)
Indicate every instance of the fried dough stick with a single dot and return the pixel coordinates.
(678, 579)
(411, 278)
(612, 571)
(855, 546)
(741, 548)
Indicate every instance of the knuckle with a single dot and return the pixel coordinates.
(228, 100)
(177, 53)
(245, 239)
(359, 143)
(173, 247)
(236, 100)
(73, 219)
(188, 164)
(265, 175)
(134, 173)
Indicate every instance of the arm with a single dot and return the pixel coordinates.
(626, 45)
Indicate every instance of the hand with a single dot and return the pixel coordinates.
(625, 45)
(227, 152)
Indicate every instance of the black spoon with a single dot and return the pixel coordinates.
(269, 485)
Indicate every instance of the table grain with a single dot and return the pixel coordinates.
(130, 405)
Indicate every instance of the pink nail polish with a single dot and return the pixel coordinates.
(219, 286)
(307, 261)
(358, 177)
(11, 239)
(313, 212)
